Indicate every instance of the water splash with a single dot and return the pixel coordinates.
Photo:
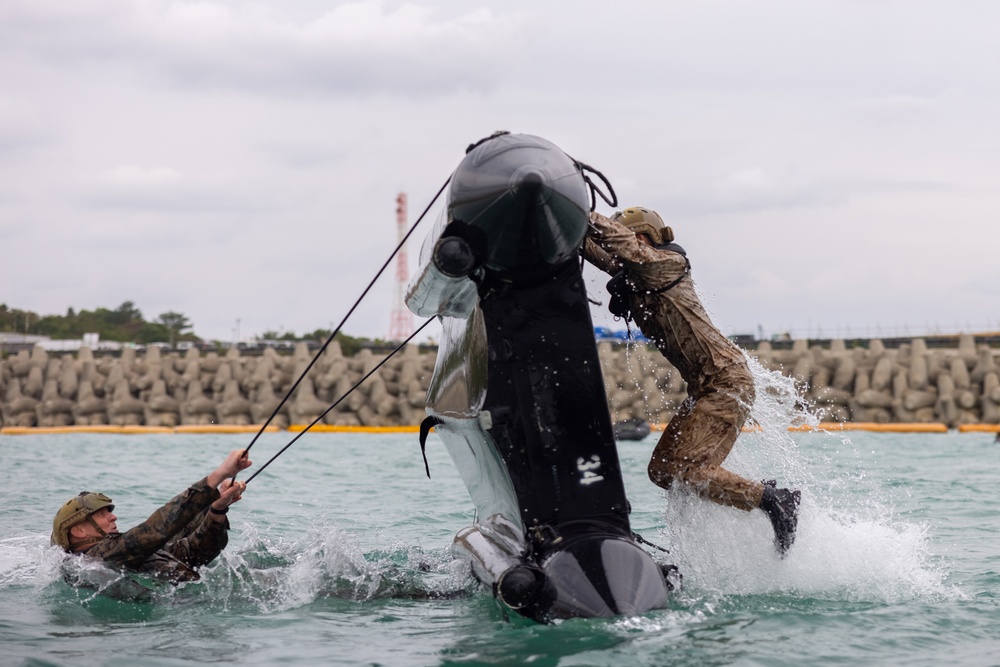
(268, 575)
(837, 555)
(20, 558)
(276, 575)
(851, 545)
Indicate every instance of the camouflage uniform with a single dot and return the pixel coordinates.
(173, 542)
(720, 387)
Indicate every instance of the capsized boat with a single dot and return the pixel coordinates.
(517, 395)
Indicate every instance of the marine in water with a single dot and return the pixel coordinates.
(652, 285)
(186, 533)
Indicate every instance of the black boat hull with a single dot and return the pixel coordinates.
(517, 394)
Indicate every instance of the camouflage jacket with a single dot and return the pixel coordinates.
(674, 319)
(173, 542)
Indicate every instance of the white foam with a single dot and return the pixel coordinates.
(328, 562)
(276, 575)
(20, 558)
(836, 555)
(850, 544)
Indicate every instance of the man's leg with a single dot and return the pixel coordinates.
(697, 441)
(700, 437)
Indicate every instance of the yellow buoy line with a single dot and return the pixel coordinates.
(130, 430)
(327, 428)
(873, 427)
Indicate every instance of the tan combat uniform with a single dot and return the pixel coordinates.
(174, 541)
(720, 387)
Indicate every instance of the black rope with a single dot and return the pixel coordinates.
(471, 147)
(611, 199)
(339, 400)
(485, 209)
(339, 326)
(642, 540)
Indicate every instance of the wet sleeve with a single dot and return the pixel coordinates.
(202, 542)
(133, 547)
(618, 241)
(653, 267)
(597, 256)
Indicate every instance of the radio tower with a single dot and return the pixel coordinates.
(401, 321)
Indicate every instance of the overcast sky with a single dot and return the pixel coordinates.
(832, 166)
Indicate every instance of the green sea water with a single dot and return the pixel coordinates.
(339, 555)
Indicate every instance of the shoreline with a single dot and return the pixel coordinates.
(327, 428)
(845, 387)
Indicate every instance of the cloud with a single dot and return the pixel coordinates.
(356, 47)
(751, 190)
(892, 108)
(21, 124)
(304, 153)
(832, 162)
(162, 189)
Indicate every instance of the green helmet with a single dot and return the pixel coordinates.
(77, 509)
(641, 220)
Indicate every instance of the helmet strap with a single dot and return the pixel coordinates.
(79, 546)
(88, 542)
(90, 520)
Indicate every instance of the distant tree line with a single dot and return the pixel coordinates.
(125, 324)
(349, 345)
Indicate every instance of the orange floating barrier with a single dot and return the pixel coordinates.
(143, 430)
(331, 428)
(979, 428)
(222, 428)
(61, 430)
(873, 427)
(131, 430)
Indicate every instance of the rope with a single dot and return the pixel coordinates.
(339, 326)
(338, 401)
(611, 199)
(642, 540)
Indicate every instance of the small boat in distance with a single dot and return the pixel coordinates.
(636, 428)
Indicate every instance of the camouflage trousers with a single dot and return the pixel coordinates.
(700, 436)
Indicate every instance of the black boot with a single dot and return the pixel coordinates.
(782, 508)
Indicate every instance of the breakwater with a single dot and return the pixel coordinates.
(910, 383)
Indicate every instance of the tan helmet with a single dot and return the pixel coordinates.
(641, 220)
(77, 509)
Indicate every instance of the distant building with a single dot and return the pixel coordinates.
(744, 340)
(14, 342)
(10, 338)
